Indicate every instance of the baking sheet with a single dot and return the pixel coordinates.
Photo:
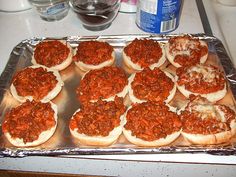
(62, 143)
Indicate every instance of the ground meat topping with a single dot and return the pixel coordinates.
(152, 85)
(99, 118)
(187, 50)
(35, 82)
(93, 52)
(151, 121)
(144, 52)
(201, 79)
(51, 53)
(102, 83)
(203, 117)
(29, 120)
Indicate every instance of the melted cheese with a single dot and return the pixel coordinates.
(182, 48)
(209, 111)
(208, 73)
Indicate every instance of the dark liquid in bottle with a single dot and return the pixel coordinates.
(98, 18)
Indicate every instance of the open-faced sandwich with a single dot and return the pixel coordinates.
(151, 124)
(36, 83)
(141, 53)
(99, 123)
(186, 50)
(151, 85)
(207, 123)
(30, 124)
(92, 55)
(104, 83)
(204, 80)
(55, 54)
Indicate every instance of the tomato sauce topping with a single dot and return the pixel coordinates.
(191, 48)
(152, 85)
(202, 117)
(144, 52)
(29, 120)
(151, 121)
(51, 53)
(202, 79)
(101, 84)
(98, 118)
(93, 52)
(35, 82)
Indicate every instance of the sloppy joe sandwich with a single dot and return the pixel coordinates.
(30, 124)
(99, 123)
(36, 83)
(55, 54)
(151, 85)
(204, 80)
(104, 83)
(207, 123)
(186, 50)
(141, 53)
(94, 55)
(151, 124)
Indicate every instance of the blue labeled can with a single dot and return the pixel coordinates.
(158, 16)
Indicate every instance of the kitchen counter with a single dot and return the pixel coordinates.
(18, 26)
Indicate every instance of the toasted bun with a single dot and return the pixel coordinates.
(52, 94)
(130, 64)
(171, 57)
(64, 64)
(43, 137)
(87, 67)
(134, 99)
(99, 140)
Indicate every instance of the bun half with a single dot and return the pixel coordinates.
(67, 61)
(43, 137)
(52, 94)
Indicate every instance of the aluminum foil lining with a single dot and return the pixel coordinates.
(62, 143)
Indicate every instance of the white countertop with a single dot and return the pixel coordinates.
(15, 27)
